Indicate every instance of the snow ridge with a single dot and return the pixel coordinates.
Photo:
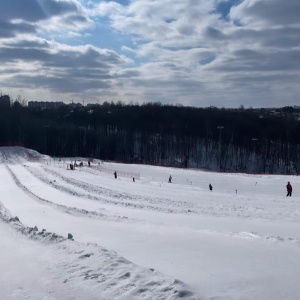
(105, 273)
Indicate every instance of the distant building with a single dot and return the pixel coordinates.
(4, 101)
(75, 105)
(44, 105)
(92, 105)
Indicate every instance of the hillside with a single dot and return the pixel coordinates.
(147, 239)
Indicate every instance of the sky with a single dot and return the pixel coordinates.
(222, 53)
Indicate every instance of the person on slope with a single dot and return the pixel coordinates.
(210, 187)
(170, 179)
(289, 189)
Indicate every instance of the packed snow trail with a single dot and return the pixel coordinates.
(232, 257)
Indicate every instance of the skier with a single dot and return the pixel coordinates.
(170, 179)
(115, 174)
(210, 187)
(289, 189)
(133, 179)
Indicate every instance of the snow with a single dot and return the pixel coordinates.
(148, 239)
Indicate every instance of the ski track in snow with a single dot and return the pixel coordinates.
(111, 197)
(161, 204)
(158, 204)
(138, 201)
(66, 209)
(93, 214)
(89, 191)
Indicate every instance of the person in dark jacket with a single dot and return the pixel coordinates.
(170, 179)
(210, 187)
(115, 173)
(289, 189)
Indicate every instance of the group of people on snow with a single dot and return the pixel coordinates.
(75, 164)
(289, 187)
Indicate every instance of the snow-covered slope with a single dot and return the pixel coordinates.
(240, 241)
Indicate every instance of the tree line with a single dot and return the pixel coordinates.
(226, 140)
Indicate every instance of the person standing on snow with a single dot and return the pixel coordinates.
(289, 189)
(210, 187)
(170, 179)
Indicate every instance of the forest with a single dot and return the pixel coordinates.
(219, 139)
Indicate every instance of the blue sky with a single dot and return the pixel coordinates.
(223, 53)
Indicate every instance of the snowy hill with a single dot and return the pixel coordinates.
(147, 239)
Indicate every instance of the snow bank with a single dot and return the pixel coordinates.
(104, 273)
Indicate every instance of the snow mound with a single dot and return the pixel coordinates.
(19, 154)
(104, 273)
